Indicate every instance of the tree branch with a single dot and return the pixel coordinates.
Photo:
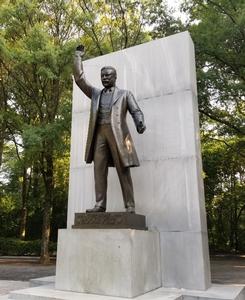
(124, 24)
(215, 118)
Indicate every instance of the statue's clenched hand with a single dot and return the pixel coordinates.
(141, 127)
(81, 49)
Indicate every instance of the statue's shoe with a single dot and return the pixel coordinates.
(130, 209)
(95, 209)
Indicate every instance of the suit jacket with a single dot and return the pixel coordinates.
(122, 102)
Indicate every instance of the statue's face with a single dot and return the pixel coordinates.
(108, 77)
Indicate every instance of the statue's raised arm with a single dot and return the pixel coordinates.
(109, 142)
(78, 72)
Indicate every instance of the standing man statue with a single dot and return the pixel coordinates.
(109, 142)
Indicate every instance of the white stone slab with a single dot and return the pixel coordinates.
(117, 262)
(50, 293)
(81, 188)
(216, 292)
(79, 136)
(42, 281)
(186, 248)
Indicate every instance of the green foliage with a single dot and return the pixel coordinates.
(12, 247)
(161, 20)
(37, 41)
(217, 28)
(110, 26)
(9, 213)
(225, 193)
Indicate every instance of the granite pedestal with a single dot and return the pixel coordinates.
(116, 262)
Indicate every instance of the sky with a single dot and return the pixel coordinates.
(175, 4)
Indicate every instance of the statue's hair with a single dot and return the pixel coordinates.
(109, 67)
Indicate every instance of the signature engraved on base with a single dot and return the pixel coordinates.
(99, 219)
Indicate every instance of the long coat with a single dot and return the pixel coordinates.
(122, 102)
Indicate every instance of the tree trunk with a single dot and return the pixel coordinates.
(3, 108)
(1, 150)
(236, 241)
(49, 186)
(231, 229)
(26, 184)
(45, 258)
(35, 181)
(2, 135)
(24, 206)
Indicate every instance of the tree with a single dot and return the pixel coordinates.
(36, 46)
(3, 100)
(37, 41)
(224, 190)
(161, 20)
(217, 28)
(111, 25)
(9, 193)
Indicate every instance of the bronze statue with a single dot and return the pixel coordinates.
(109, 142)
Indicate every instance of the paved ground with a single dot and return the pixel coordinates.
(24, 268)
(7, 286)
(15, 272)
(228, 269)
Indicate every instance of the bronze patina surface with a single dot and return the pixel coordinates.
(109, 220)
(109, 142)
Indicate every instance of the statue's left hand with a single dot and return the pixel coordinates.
(141, 128)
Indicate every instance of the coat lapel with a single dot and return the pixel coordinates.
(116, 95)
(97, 100)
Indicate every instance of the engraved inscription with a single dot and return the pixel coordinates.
(109, 220)
(99, 219)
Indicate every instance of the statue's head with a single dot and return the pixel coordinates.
(108, 76)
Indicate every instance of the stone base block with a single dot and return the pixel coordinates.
(41, 281)
(216, 292)
(116, 262)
